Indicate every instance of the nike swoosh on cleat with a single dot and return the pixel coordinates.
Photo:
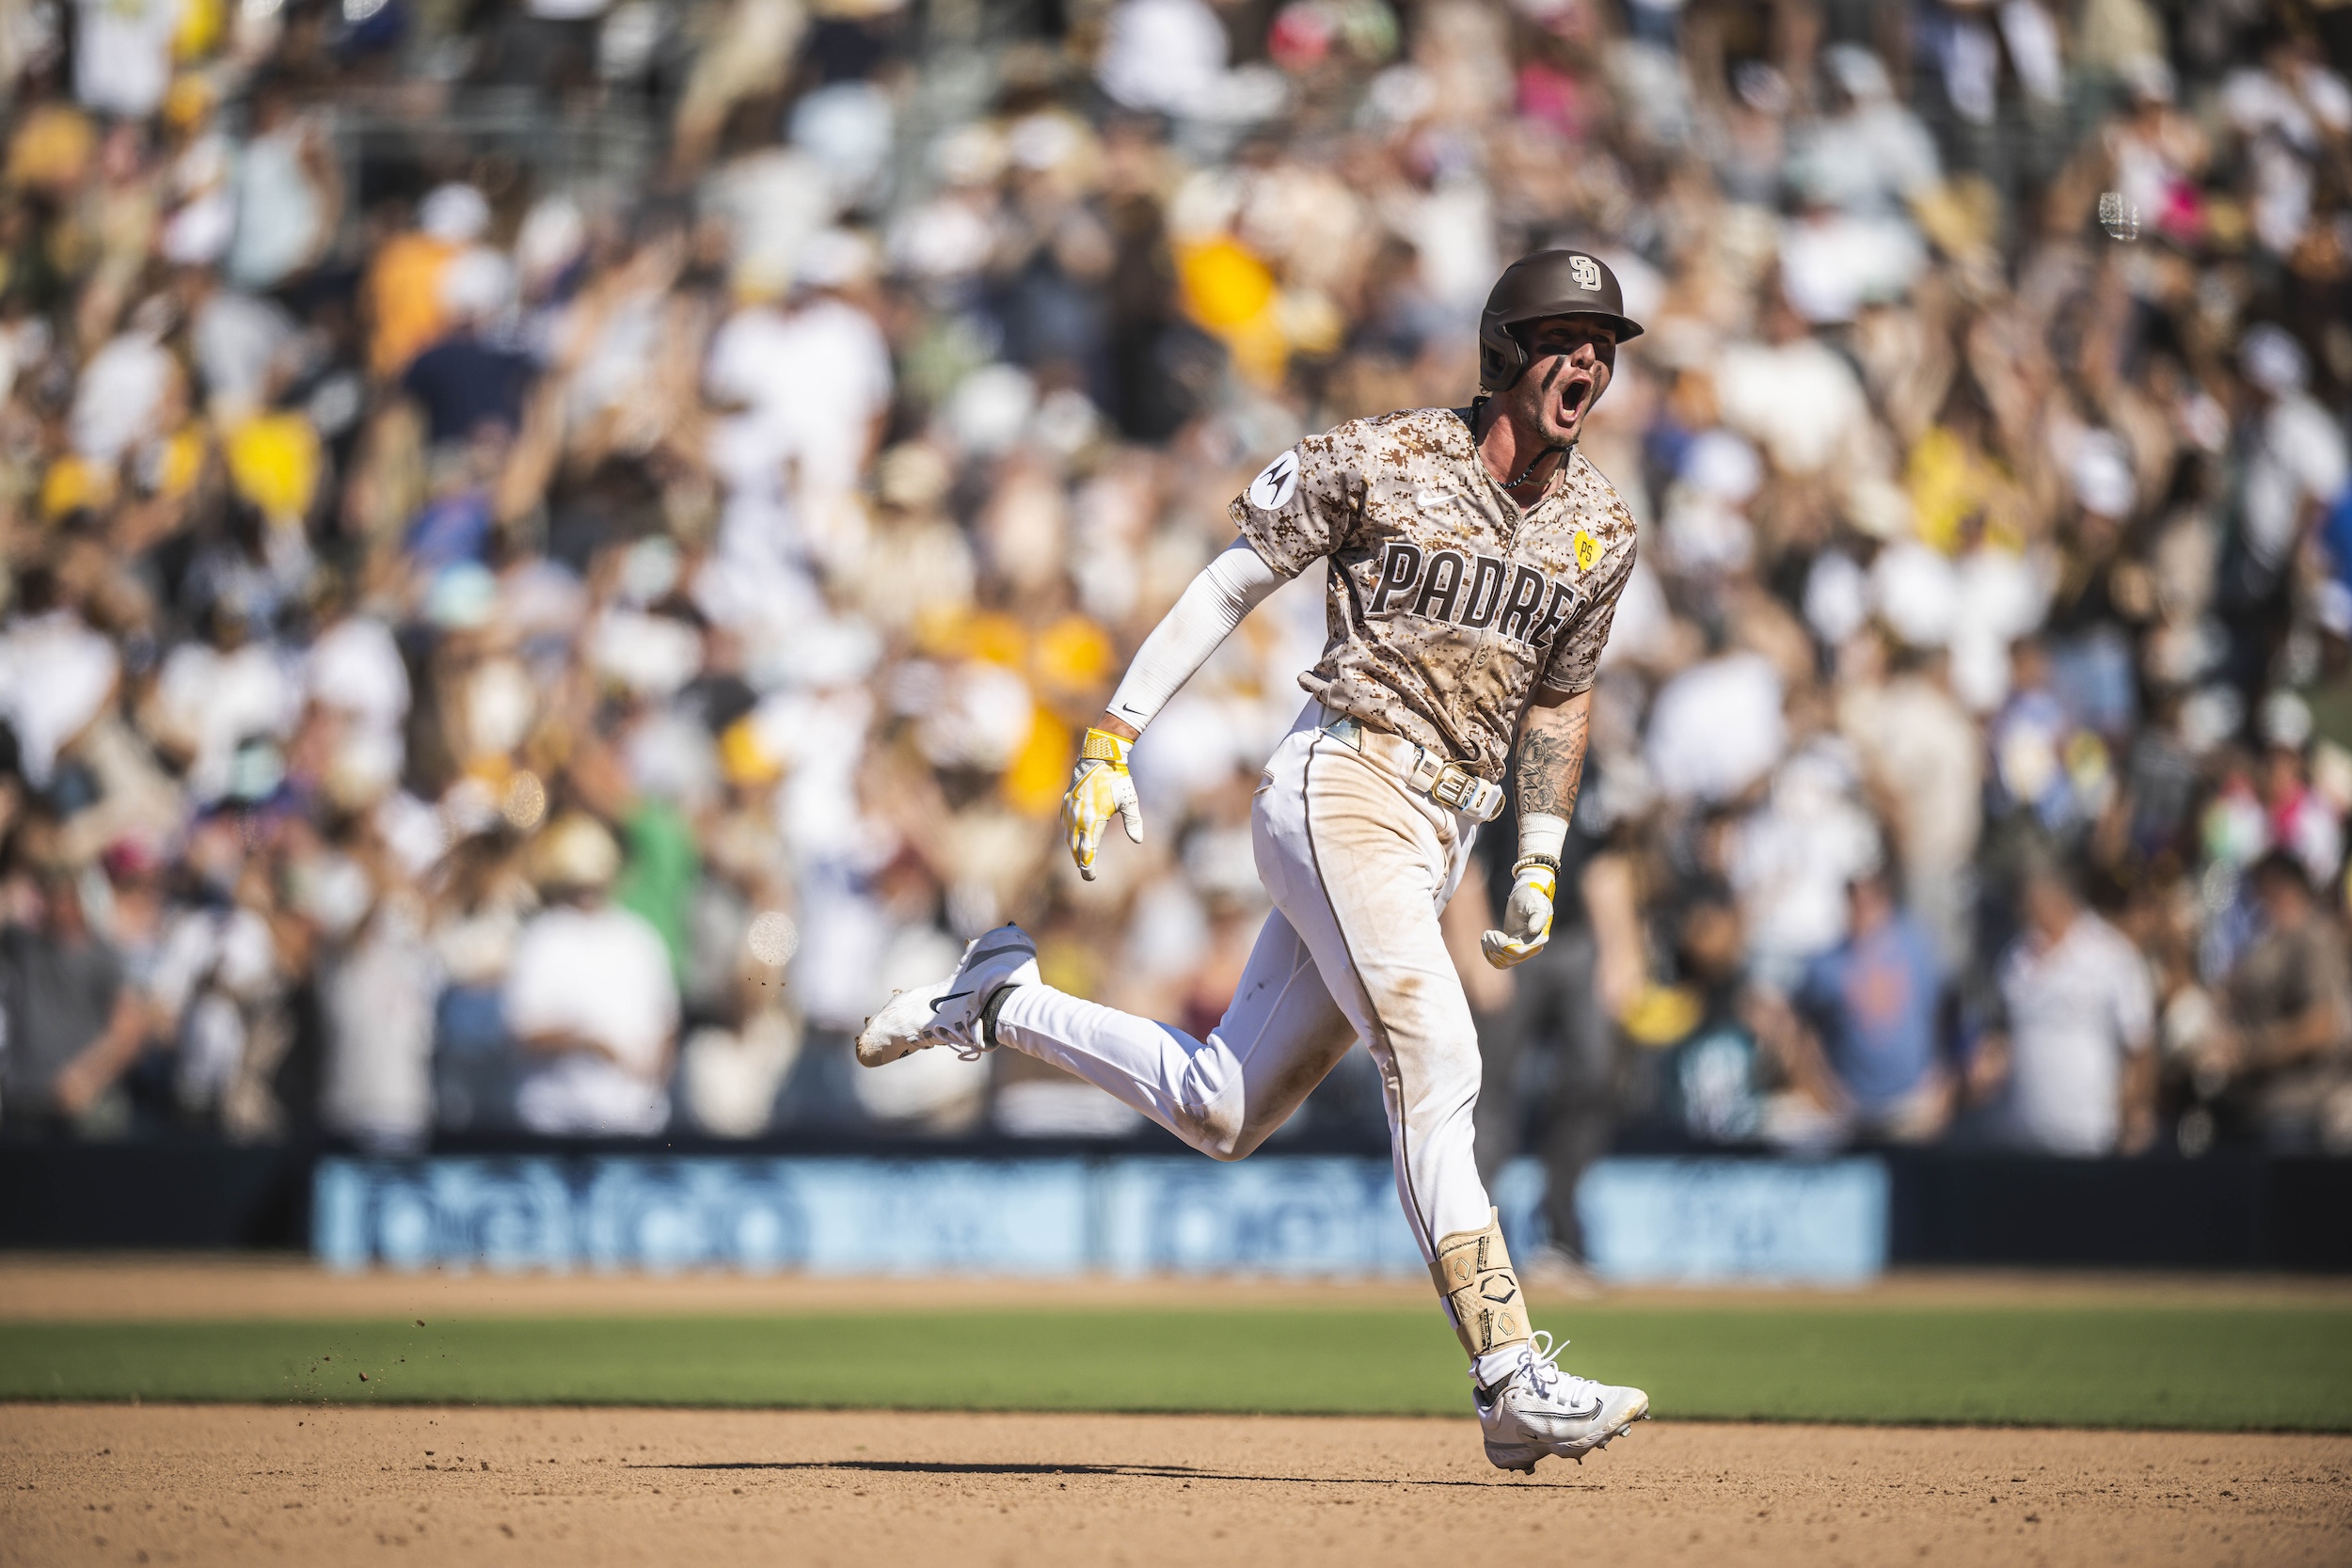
(975, 959)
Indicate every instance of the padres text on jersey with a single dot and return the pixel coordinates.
(1448, 605)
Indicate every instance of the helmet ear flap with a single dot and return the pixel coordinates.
(1502, 358)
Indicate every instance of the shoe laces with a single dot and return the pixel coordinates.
(1540, 1365)
(967, 1046)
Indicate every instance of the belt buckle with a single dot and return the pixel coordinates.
(1455, 785)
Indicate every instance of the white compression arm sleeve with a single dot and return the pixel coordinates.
(1228, 588)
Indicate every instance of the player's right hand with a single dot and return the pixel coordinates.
(1526, 916)
(1099, 788)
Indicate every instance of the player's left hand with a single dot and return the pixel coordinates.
(1526, 916)
(1099, 788)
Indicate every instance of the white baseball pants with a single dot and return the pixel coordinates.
(1358, 868)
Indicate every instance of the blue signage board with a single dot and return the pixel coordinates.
(1701, 1221)
(1696, 1219)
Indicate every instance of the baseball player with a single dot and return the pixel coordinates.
(1476, 556)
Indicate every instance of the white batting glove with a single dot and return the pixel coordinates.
(1526, 915)
(1099, 788)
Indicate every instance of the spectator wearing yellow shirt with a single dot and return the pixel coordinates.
(403, 290)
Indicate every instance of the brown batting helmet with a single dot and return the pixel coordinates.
(1548, 283)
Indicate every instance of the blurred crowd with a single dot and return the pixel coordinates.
(532, 636)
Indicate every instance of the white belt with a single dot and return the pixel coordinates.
(1417, 767)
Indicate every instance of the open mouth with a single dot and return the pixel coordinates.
(1575, 392)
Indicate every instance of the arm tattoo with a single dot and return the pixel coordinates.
(1551, 759)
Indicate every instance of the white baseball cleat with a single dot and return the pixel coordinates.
(1541, 1410)
(947, 1012)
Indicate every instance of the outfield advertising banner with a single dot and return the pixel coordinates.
(1289, 1214)
(665, 1214)
(1692, 1220)
(1699, 1221)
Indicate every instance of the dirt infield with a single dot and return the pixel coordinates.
(163, 1484)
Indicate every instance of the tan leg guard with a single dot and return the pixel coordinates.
(1475, 1275)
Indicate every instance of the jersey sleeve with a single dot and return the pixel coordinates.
(1303, 505)
(1576, 652)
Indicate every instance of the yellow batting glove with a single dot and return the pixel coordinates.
(1099, 788)
(1526, 915)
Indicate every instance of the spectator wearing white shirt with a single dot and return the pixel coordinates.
(1163, 56)
(806, 391)
(2297, 463)
(1871, 155)
(288, 194)
(590, 997)
(56, 676)
(212, 697)
(2076, 1058)
(353, 667)
(122, 54)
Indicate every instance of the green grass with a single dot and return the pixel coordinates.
(2281, 1368)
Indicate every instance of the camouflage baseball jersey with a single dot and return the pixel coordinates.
(1448, 606)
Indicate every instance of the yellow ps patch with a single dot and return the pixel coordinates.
(1587, 550)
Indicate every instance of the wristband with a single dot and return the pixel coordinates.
(1543, 836)
(1102, 746)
